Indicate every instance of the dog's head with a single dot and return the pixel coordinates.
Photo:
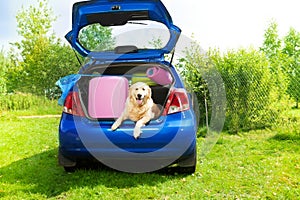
(140, 93)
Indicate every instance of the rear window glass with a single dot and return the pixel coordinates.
(144, 34)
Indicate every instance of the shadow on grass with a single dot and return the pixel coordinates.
(284, 137)
(40, 174)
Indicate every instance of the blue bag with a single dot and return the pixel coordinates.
(65, 84)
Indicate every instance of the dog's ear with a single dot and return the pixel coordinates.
(149, 92)
(130, 95)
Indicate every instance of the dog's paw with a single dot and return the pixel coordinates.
(137, 132)
(114, 126)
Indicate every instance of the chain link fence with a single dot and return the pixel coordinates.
(253, 98)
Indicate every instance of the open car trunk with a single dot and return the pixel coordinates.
(103, 89)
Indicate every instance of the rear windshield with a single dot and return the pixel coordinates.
(144, 34)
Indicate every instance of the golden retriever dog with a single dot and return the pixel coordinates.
(139, 107)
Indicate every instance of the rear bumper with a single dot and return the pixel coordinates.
(169, 138)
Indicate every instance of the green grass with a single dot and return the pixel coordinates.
(253, 165)
(48, 108)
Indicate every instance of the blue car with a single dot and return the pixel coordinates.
(125, 42)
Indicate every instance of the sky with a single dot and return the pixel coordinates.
(222, 24)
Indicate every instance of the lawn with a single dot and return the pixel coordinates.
(261, 164)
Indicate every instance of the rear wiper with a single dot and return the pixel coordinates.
(140, 23)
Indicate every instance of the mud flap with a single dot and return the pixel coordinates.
(65, 162)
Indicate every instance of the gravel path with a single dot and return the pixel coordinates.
(39, 116)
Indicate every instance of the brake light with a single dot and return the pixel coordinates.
(72, 104)
(177, 102)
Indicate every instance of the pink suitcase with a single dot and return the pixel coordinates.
(107, 96)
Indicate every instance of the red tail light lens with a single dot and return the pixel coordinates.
(177, 102)
(72, 104)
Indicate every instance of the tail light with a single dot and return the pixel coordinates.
(177, 102)
(72, 104)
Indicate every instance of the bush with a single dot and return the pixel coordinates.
(202, 78)
(20, 101)
(43, 67)
(252, 98)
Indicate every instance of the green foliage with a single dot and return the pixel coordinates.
(96, 38)
(192, 68)
(3, 72)
(253, 100)
(44, 66)
(288, 124)
(250, 92)
(157, 43)
(43, 58)
(272, 43)
(34, 25)
(20, 101)
(284, 57)
(291, 50)
(272, 47)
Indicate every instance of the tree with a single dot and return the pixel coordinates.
(284, 57)
(43, 58)
(157, 43)
(272, 43)
(272, 47)
(34, 25)
(96, 37)
(292, 50)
